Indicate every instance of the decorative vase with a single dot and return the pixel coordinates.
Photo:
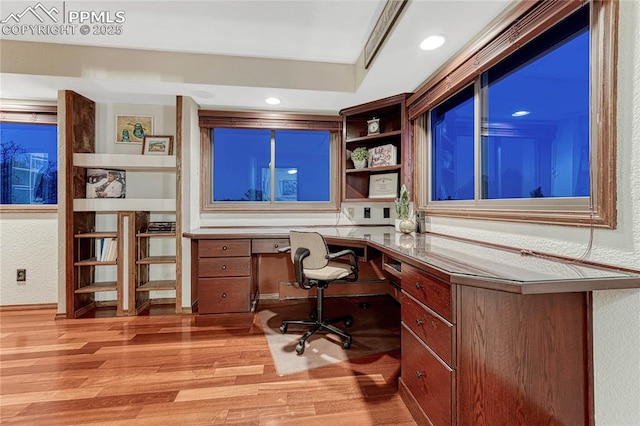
(360, 164)
(407, 226)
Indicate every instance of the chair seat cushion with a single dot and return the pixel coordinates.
(333, 271)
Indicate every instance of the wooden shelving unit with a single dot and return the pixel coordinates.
(394, 130)
(83, 217)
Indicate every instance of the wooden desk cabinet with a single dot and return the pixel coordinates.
(223, 272)
(476, 356)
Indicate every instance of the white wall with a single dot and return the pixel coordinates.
(28, 241)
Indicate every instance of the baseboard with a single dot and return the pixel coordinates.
(29, 307)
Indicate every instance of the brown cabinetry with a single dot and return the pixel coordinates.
(428, 338)
(393, 132)
(224, 276)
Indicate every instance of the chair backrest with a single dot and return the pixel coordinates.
(316, 245)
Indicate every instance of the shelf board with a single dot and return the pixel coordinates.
(94, 262)
(98, 287)
(375, 137)
(375, 169)
(368, 200)
(155, 234)
(96, 235)
(154, 260)
(157, 285)
(125, 161)
(121, 204)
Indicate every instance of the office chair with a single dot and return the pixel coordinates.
(316, 267)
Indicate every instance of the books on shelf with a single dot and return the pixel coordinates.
(161, 227)
(384, 155)
(106, 249)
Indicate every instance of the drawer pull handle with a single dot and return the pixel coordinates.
(224, 267)
(419, 374)
(418, 286)
(275, 246)
(224, 247)
(224, 295)
(419, 321)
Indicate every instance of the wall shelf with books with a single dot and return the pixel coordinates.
(381, 127)
(154, 257)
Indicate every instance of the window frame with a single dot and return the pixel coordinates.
(29, 114)
(523, 22)
(210, 119)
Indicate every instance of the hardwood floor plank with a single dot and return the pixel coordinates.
(164, 369)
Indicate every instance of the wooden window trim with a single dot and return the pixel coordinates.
(522, 23)
(263, 120)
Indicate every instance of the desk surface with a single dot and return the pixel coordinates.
(459, 262)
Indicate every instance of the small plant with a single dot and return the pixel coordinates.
(360, 154)
(403, 204)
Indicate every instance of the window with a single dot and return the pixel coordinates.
(270, 164)
(515, 140)
(28, 157)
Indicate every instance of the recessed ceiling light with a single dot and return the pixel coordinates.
(432, 42)
(272, 101)
(520, 113)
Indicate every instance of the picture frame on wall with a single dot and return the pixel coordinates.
(133, 128)
(157, 145)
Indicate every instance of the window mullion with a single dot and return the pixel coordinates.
(272, 168)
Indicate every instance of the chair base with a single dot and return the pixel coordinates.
(317, 325)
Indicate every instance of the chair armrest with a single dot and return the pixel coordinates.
(298, 257)
(353, 261)
(284, 249)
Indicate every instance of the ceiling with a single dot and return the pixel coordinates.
(321, 31)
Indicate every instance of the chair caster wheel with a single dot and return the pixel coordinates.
(346, 343)
(300, 348)
(313, 316)
(348, 322)
(283, 328)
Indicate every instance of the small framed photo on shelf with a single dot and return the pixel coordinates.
(133, 128)
(103, 183)
(383, 185)
(157, 145)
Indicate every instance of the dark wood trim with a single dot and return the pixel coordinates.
(178, 153)
(26, 113)
(515, 28)
(28, 307)
(268, 120)
(519, 26)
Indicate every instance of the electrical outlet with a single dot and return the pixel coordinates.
(386, 212)
(21, 275)
(367, 212)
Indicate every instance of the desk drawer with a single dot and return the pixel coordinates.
(433, 293)
(271, 245)
(224, 295)
(224, 267)
(224, 248)
(429, 381)
(433, 331)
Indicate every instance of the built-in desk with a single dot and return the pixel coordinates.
(489, 335)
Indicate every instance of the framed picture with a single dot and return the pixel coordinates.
(132, 128)
(384, 155)
(157, 145)
(383, 185)
(104, 183)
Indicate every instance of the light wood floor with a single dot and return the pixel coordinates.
(162, 370)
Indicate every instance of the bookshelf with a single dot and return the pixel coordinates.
(393, 131)
(153, 187)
